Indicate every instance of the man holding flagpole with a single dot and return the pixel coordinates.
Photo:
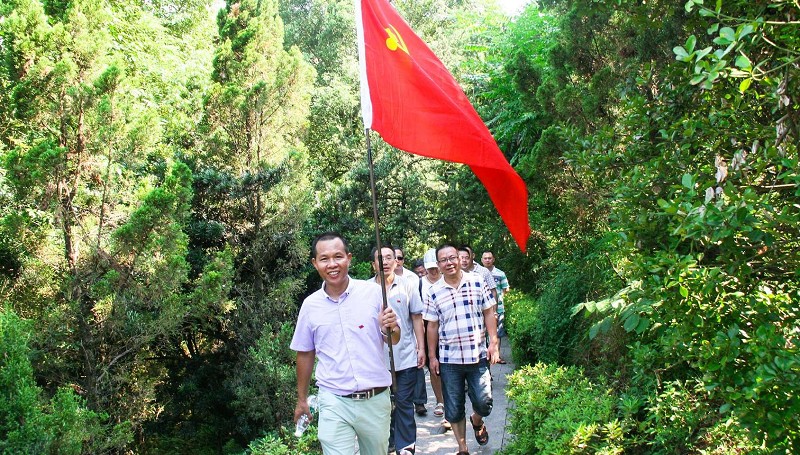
(344, 326)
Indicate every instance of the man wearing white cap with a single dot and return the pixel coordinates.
(434, 275)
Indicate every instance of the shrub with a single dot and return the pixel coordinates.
(31, 424)
(543, 330)
(266, 384)
(521, 322)
(285, 443)
(559, 411)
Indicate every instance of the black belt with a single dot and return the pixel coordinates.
(365, 394)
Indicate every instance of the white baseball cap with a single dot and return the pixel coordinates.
(430, 258)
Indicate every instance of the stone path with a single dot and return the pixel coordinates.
(431, 440)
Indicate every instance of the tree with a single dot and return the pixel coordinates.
(30, 424)
(690, 162)
(88, 84)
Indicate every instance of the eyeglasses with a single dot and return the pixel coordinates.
(399, 258)
(446, 260)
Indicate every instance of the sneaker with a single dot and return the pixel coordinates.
(420, 409)
(438, 411)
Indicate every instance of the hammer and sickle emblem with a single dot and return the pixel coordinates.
(395, 41)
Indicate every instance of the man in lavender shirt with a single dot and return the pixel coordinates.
(343, 326)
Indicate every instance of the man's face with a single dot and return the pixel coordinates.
(420, 271)
(447, 258)
(399, 259)
(434, 273)
(464, 260)
(389, 262)
(487, 260)
(332, 261)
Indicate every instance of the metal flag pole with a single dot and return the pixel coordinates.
(380, 259)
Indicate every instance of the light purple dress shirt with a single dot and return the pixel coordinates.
(346, 337)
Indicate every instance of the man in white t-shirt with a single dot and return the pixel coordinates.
(408, 353)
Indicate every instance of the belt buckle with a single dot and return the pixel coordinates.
(360, 396)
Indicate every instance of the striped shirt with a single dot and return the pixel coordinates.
(502, 284)
(459, 312)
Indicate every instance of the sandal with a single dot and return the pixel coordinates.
(502, 362)
(438, 411)
(481, 433)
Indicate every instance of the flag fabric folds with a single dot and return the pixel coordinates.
(415, 104)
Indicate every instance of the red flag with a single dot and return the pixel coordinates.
(409, 97)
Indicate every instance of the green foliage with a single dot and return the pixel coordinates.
(543, 329)
(284, 443)
(676, 413)
(29, 423)
(660, 157)
(685, 134)
(560, 411)
(522, 323)
(265, 385)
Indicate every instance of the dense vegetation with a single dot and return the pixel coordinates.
(164, 166)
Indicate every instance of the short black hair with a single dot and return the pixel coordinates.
(375, 250)
(419, 263)
(330, 235)
(443, 246)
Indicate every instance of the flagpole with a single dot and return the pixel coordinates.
(380, 258)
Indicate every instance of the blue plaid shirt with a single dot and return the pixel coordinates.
(459, 312)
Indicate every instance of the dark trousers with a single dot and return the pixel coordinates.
(404, 427)
(420, 391)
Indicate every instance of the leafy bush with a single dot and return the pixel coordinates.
(521, 322)
(285, 443)
(31, 424)
(265, 385)
(679, 417)
(558, 410)
(543, 330)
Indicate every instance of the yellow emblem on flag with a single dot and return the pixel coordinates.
(395, 41)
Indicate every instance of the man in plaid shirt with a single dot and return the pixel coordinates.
(459, 309)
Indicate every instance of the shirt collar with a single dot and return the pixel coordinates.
(460, 283)
(344, 294)
(395, 282)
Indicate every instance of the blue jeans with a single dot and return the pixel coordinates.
(476, 376)
(404, 428)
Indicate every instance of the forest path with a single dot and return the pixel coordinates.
(431, 440)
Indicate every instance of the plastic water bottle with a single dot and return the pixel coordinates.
(304, 420)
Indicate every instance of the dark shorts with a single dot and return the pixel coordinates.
(455, 378)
